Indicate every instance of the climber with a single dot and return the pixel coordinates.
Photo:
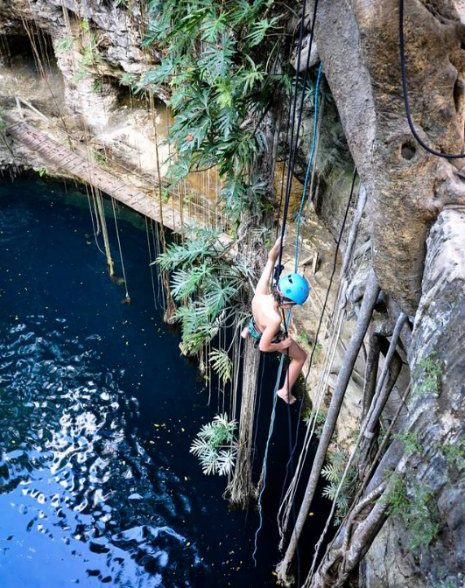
(265, 325)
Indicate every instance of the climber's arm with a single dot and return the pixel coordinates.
(269, 335)
(263, 282)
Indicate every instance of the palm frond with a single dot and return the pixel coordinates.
(221, 364)
(215, 446)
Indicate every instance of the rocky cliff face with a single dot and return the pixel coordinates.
(74, 66)
(73, 63)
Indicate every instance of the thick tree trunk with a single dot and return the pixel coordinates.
(359, 45)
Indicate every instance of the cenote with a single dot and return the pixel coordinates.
(98, 411)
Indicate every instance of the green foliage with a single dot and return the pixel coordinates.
(303, 339)
(90, 55)
(80, 74)
(207, 285)
(84, 25)
(417, 509)
(97, 86)
(127, 79)
(449, 583)
(220, 63)
(410, 441)
(332, 472)
(215, 446)
(428, 376)
(320, 419)
(100, 157)
(64, 44)
(397, 500)
(455, 454)
(221, 364)
(42, 171)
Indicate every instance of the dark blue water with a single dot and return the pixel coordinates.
(97, 413)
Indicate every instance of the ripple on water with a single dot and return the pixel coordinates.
(72, 474)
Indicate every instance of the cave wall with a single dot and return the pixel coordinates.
(96, 49)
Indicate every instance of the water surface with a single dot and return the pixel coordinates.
(97, 413)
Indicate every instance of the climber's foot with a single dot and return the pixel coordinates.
(286, 396)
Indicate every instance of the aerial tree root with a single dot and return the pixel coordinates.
(241, 489)
(389, 374)
(366, 310)
(352, 541)
(378, 331)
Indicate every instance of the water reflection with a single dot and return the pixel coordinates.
(72, 472)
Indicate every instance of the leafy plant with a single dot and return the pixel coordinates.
(416, 507)
(455, 454)
(100, 157)
(303, 339)
(80, 74)
(410, 441)
(220, 62)
(42, 171)
(206, 284)
(215, 446)
(64, 44)
(97, 86)
(127, 79)
(221, 364)
(429, 376)
(332, 472)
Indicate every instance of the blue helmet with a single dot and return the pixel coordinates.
(294, 287)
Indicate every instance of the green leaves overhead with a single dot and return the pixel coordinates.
(220, 63)
(259, 30)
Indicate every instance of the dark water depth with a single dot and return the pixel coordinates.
(97, 413)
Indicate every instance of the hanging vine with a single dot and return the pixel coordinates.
(221, 62)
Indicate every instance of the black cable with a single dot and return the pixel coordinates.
(406, 98)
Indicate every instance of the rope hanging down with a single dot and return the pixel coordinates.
(293, 445)
(405, 92)
(294, 141)
(309, 165)
(291, 166)
(287, 499)
(264, 466)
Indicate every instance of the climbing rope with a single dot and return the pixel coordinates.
(309, 165)
(295, 139)
(291, 164)
(264, 466)
(405, 92)
(287, 501)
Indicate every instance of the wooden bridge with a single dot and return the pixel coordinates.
(74, 164)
